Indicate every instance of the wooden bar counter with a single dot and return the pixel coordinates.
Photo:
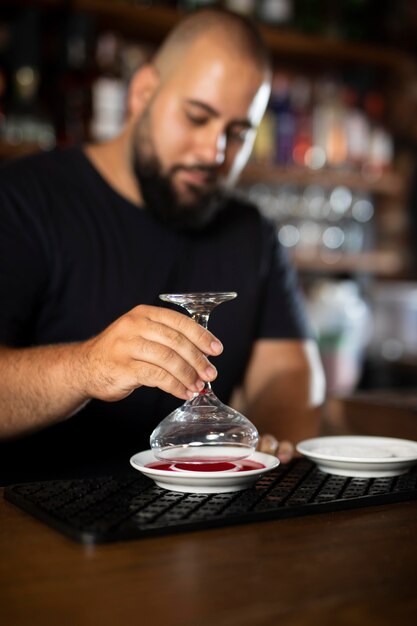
(350, 568)
(382, 413)
(355, 567)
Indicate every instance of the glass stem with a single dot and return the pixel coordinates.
(202, 319)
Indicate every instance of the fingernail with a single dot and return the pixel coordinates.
(190, 394)
(211, 371)
(199, 385)
(216, 347)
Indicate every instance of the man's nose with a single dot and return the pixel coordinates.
(212, 148)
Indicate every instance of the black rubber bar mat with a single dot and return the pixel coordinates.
(116, 508)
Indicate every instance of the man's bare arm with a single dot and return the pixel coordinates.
(284, 390)
(150, 346)
(38, 386)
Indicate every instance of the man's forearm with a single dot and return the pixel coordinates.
(284, 389)
(289, 417)
(292, 422)
(39, 386)
(150, 346)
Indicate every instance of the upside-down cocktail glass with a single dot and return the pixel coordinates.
(203, 429)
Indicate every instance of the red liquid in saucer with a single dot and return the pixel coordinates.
(235, 466)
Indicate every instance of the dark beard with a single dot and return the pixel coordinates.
(161, 199)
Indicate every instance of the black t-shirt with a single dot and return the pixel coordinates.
(75, 255)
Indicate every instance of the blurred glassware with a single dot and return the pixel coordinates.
(394, 317)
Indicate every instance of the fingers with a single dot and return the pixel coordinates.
(172, 349)
(284, 450)
(169, 364)
(176, 344)
(150, 346)
(154, 376)
(185, 326)
(268, 444)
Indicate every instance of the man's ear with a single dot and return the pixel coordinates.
(142, 87)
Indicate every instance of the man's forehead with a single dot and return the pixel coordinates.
(213, 54)
(211, 78)
(213, 73)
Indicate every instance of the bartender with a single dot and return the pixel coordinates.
(90, 359)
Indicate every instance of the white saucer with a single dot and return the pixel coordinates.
(203, 482)
(360, 456)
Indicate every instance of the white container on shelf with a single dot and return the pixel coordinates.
(109, 108)
(341, 319)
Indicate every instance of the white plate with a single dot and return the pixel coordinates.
(360, 456)
(203, 482)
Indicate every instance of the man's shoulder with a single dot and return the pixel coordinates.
(41, 184)
(48, 166)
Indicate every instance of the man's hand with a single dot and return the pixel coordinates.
(284, 450)
(151, 346)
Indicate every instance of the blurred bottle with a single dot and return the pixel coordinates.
(280, 104)
(264, 149)
(243, 7)
(132, 56)
(356, 128)
(275, 12)
(77, 74)
(380, 152)
(329, 134)
(301, 104)
(25, 118)
(108, 89)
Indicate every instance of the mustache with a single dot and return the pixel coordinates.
(211, 171)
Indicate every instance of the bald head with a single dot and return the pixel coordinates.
(222, 28)
(195, 108)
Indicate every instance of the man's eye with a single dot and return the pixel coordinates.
(197, 120)
(238, 136)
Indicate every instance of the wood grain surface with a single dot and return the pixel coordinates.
(355, 567)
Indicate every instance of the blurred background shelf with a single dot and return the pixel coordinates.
(380, 263)
(389, 183)
(148, 21)
(153, 21)
(12, 151)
